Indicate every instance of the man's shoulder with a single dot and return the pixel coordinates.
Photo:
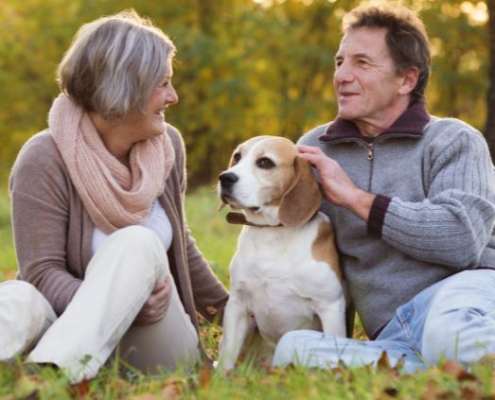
(450, 125)
(452, 134)
(311, 138)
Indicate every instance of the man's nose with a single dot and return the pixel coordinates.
(343, 73)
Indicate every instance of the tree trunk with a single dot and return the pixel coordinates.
(490, 118)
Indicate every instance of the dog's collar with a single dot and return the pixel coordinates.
(240, 219)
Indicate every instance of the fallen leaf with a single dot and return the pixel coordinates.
(457, 371)
(383, 362)
(270, 369)
(144, 397)
(391, 392)
(470, 394)
(80, 390)
(172, 388)
(448, 395)
(205, 376)
(267, 381)
(429, 393)
(170, 393)
(32, 396)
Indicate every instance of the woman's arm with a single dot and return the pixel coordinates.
(210, 296)
(39, 190)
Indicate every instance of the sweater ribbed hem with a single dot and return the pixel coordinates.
(377, 214)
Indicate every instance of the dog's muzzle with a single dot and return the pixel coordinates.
(227, 181)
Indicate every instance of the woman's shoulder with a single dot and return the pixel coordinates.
(40, 146)
(175, 136)
(38, 157)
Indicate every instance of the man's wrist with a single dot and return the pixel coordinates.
(377, 214)
(361, 204)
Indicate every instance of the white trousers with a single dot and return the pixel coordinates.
(118, 281)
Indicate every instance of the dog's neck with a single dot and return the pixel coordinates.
(240, 219)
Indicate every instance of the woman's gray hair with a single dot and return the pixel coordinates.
(114, 63)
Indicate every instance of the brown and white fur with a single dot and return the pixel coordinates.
(285, 272)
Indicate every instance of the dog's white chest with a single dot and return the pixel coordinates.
(278, 279)
(277, 304)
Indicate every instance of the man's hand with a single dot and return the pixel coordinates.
(336, 185)
(157, 304)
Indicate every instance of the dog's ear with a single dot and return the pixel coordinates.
(302, 199)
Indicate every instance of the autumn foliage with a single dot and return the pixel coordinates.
(243, 67)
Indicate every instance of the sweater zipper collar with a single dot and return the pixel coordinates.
(410, 124)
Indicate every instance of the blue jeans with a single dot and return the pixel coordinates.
(453, 319)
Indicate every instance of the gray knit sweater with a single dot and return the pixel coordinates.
(433, 216)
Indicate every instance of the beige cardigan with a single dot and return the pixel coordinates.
(53, 232)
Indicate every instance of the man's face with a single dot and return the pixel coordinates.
(365, 81)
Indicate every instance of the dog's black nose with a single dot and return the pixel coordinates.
(227, 179)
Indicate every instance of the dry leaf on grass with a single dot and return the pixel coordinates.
(457, 371)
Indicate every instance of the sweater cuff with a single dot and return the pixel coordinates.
(377, 214)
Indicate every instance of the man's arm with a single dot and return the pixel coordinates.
(453, 224)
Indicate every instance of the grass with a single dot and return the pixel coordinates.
(7, 253)
(218, 240)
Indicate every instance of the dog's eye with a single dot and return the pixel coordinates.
(236, 158)
(264, 163)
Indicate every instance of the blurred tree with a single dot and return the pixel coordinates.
(243, 68)
(460, 59)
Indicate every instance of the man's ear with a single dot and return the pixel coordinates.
(409, 80)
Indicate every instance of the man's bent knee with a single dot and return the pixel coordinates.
(464, 335)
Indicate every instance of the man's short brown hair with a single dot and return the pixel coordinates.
(406, 38)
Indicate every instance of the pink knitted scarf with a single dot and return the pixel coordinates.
(113, 195)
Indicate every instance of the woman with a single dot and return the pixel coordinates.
(105, 256)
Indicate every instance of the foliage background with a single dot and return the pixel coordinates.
(244, 67)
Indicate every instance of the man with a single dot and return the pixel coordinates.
(412, 199)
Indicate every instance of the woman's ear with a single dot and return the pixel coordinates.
(302, 199)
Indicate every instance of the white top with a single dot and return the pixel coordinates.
(156, 220)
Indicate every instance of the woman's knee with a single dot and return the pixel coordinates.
(136, 237)
(139, 243)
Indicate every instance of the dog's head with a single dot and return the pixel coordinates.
(270, 183)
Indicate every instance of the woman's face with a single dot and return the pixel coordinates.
(152, 123)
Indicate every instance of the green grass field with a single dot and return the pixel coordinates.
(217, 240)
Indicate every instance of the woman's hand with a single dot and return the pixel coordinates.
(157, 304)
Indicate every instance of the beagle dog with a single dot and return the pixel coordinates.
(285, 274)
